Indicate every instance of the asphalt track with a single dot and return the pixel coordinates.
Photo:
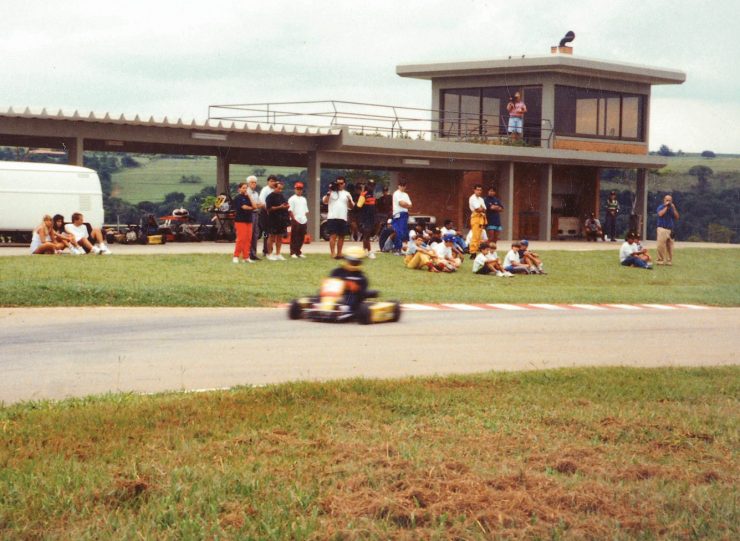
(53, 353)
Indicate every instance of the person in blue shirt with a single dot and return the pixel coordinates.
(494, 206)
(667, 217)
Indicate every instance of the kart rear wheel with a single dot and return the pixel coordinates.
(364, 316)
(295, 310)
(396, 311)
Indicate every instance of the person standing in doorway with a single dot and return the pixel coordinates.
(339, 202)
(401, 206)
(242, 223)
(298, 208)
(610, 219)
(477, 206)
(667, 217)
(257, 205)
(516, 109)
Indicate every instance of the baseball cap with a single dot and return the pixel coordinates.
(448, 238)
(298, 185)
(524, 242)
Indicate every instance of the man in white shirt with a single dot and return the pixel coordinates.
(446, 255)
(401, 206)
(477, 206)
(272, 181)
(298, 209)
(90, 240)
(629, 254)
(512, 262)
(339, 202)
(257, 205)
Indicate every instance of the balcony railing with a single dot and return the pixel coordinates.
(375, 120)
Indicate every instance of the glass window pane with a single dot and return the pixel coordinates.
(586, 116)
(612, 117)
(451, 108)
(470, 112)
(630, 116)
(602, 116)
(490, 121)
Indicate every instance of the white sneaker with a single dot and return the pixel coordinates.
(248, 260)
(293, 256)
(371, 255)
(95, 250)
(271, 257)
(279, 258)
(508, 274)
(302, 256)
(235, 260)
(104, 250)
(500, 274)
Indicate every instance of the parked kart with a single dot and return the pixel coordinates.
(331, 305)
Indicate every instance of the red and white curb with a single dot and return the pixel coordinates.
(552, 307)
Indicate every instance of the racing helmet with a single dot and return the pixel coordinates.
(353, 257)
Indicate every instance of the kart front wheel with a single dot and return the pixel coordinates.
(295, 310)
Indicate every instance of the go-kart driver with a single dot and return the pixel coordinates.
(355, 281)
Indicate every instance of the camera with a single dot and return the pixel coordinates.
(333, 187)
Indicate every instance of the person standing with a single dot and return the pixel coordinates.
(366, 216)
(667, 216)
(610, 219)
(494, 206)
(477, 206)
(401, 206)
(277, 220)
(338, 201)
(257, 205)
(383, 209)
(298, 209)
(243, 224)
(272, 181)
(516, 109)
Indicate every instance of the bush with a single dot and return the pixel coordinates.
(719, 233)
(708, 154)
(190, 179)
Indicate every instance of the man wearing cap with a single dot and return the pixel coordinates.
(530, 258)
(516, 110)
(610, 219)
(667, 216)
(298, 209)
(445, 256)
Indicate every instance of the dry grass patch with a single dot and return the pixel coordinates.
(575, 454)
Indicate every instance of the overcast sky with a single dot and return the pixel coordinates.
(167, 58)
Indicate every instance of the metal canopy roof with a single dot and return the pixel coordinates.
(557, 63)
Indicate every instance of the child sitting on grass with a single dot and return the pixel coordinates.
(487, 262)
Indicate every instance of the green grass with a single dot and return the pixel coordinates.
(702, 276)
(159, 176)
(613, 453)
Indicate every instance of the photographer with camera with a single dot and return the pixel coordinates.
(667, 216)
(339, 201)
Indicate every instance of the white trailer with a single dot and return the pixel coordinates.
(30, 190)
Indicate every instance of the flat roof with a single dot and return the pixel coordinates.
(556, 63)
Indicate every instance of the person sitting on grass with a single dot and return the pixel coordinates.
(530, 258)
(629, 256)
(449, 229)
(487, 262)
(62, 239)
(512, 261)
(91, 239)
(592, 229)
(41, 242)
(448, 261)
(641, 252)
(419, 256)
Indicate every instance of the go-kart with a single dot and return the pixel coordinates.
(331, 305)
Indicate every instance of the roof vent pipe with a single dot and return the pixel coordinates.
(563, 48)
